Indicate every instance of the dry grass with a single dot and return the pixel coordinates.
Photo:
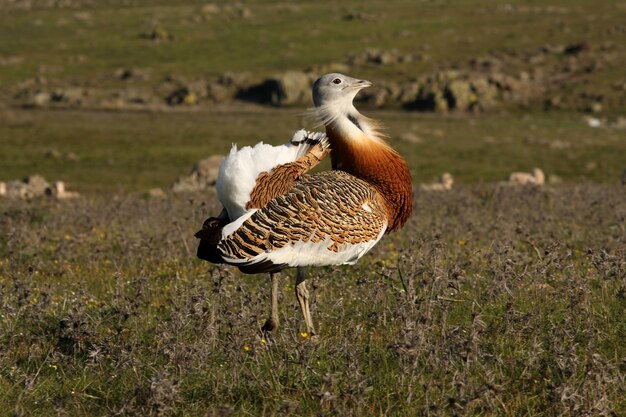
(490, 302)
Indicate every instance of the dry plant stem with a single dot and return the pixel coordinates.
(272, 322)
(302, 294)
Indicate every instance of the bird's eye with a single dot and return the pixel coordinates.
(336, 81)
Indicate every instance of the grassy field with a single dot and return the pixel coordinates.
(492, 301)
(89, 42)
(85, 43)
(122, 151)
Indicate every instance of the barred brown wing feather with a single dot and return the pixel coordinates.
(325, 219)
(282, 178)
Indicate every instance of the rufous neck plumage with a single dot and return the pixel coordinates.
(359, 148)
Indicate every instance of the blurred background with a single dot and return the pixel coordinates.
(126, 95)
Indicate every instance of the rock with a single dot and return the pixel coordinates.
(395, 90)
(53, 154)
(29, 187)
(488, 63)
(3, 189)
(459, 95)
(57, 154)
(443, 183)
(226, 11)
(593, 122)
(203, 175)
(409, 92)
(577, 48)
(430, 98)
(17, 189)
(291, 87)
(41, 99)
(486, 94)
(227, 86)
(553, 103)
(156, 193)
(210, 8)
(36, 184)
(219, 92)
(595, 107)
(58, 191)
(234, 79)
(130, 96)
(157, 34)
(132, 74)
(553, 49)
(181, 95)
(379, 57)
(208, 168)
(74, 95)
(190, 99)
(357, 15)
(537, 177)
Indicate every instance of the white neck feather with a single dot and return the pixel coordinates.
(342, 116)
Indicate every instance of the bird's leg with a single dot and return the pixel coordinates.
(302, 294)
(272, 322)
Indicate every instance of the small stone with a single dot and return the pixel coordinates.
(41, 99)
(156, 193)
(410, 137)
(53, 154)
(619, 123)
(459, 95)
(596, 107)
(202, 176)
(37, 184)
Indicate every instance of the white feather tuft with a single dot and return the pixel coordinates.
(240, 169)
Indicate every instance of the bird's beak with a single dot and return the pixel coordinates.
(359, 84)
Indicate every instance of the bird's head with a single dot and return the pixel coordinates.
(337, 90)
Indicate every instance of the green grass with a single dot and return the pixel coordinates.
(135, 151)
(279, 36)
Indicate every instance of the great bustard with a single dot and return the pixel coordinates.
(276, 216)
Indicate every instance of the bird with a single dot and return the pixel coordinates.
(277, 215)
